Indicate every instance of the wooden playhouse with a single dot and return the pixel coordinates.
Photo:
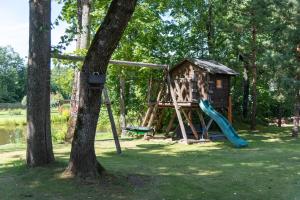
(187, 83)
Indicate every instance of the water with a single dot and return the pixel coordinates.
(17, 133)
(12, 134)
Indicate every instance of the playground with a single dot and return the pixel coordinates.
(159, 169)
(149, 100)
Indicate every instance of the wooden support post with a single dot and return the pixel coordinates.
(122, 106)
(209, 124)
(229, 110)
(171, 122)
(177, 110)
(112, 121)
(148, 113)
(203, 124)
(153, 114)
(191, 124)
(160, 115)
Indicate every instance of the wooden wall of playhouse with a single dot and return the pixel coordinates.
(192, 83)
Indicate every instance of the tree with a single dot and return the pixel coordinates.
(83, 40)
(39, 144)
(12, 76)
(83, 162)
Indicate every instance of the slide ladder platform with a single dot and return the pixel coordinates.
(224, 124)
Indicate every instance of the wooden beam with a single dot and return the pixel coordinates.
(171, 122)
(203, 124)
(229, 110)
(147, 115)
(178, 90)
(209, 124)
(191, 124)
(177, 109)
(112, 121)
(114, 62)
(154, 109)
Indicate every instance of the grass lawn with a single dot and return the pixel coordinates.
(268, 169)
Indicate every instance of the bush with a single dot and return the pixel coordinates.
(59, 133)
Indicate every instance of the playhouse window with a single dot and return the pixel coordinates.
(219, 84)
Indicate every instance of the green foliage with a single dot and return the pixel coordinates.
(55, 99)
(12, 76)
(58, 132)
(167, 31)
(61, 80)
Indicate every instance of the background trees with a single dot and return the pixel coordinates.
(12, 76)
(256, 38)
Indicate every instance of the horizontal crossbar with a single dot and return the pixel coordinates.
(114, 62)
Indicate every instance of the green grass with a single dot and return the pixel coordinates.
(268, 169)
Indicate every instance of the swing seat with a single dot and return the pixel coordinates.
(140, 130)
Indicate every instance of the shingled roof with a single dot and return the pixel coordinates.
(211, 66)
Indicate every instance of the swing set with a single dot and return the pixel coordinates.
(192, 86)
(97, 81)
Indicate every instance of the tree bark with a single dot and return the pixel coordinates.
(39, 144)
(83, 40)
(79, 24)
(83, 162)
(210, 29)
(254, 75)
(246, 88)
(85, 31)
(279, 118)
(296, 119)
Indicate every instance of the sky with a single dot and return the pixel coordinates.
(14, 23)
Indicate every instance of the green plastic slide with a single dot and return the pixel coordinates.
(224, 124)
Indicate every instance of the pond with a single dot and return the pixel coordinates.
(12, 134)
(17, 133)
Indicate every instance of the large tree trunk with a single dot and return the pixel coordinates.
(39, 144)
(83, 40)
(83, 162)
(254, 75)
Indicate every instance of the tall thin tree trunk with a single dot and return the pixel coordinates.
(254, 74)
(79, 24)
(246, 87)
(296, 119)
(122, 106)
(210, 30)
(85, 31)
(279, 123)
(83, 40)
(39, 144)
(83, 162)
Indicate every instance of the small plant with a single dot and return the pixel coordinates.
(59, 133)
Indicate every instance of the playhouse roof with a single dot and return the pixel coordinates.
(211, 66)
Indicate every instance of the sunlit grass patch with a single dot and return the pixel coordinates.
(165, 170)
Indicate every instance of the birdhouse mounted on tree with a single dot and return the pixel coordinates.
(96, 80)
